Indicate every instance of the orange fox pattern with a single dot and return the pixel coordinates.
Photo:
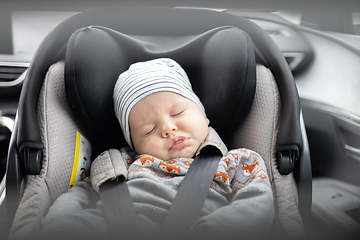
(249, 169)
(169, 168)
(235, 171)
(145, 161)
(222, 177)
(239, 168)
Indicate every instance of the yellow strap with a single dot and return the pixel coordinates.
(76, 159)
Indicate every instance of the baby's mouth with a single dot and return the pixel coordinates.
(178, 143)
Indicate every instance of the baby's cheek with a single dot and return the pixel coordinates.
(152, 148)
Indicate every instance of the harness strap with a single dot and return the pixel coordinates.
(118, 207)
(190, 198)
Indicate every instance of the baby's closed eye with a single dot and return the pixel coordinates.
(151, 131)
(177, 113)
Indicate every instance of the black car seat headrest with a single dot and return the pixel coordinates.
(220, 64)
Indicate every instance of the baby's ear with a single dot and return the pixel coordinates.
(208, 121)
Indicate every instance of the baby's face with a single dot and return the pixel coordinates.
(167, 125)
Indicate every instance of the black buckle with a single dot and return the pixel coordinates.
(287, 155)
(32, 159)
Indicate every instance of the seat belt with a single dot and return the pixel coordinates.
(190, 198)
(119, 209)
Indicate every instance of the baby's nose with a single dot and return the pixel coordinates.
(169, 129)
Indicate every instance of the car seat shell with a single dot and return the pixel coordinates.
(52, 50)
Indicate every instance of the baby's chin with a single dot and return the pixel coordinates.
(188, 152)
(180, 154)
(187, 155)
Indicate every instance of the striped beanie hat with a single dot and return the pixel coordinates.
(145, 78)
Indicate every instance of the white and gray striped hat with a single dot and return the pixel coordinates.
(145, 78)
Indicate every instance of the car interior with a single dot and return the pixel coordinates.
(312, 57)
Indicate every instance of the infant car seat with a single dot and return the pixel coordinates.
(66, 99)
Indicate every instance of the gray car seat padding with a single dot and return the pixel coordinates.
(258, 132)
(39, 194)
(58, 134)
